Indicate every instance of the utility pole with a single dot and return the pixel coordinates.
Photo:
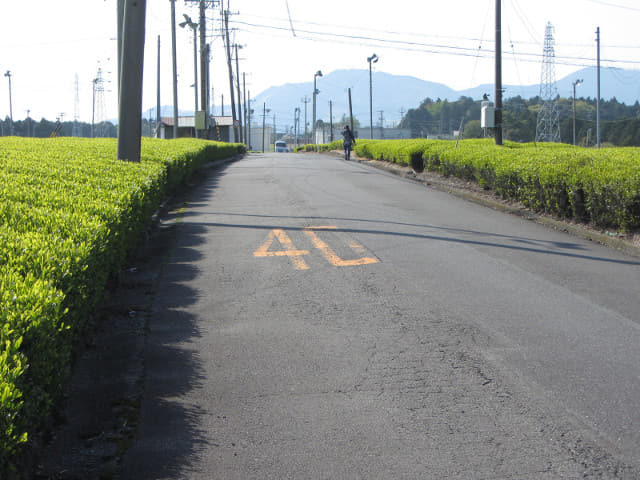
(315, 93)
(373, 58)
(296, 125)
(204, 68)
(194, 26)
(498, 92)
(575, 84)
(249, 112)
(8, 75)
(240, 139)
(228, 50)
(350, 114)
(120, 20)
(130, 101)
(598, 137)
(158, 115)
(381, 112)
(244, 95)
(175, 68)
(305, 100)
(330, 121)
(264, 115)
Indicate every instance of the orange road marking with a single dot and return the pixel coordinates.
(330, 255)
(290, 251)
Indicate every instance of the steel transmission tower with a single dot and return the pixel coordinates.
(548, 125)
(76, 110)
(97, 124)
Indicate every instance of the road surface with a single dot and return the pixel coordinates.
(322, 319)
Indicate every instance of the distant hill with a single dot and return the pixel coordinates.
(393, 94)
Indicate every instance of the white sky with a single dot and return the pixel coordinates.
(45, 43)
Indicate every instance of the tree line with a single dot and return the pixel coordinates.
(620, 123)
(46, 128)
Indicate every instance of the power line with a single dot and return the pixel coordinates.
(615, 5)
(432, 48)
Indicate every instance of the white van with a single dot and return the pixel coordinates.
(281, 146)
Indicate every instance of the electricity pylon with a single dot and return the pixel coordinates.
(548, 125)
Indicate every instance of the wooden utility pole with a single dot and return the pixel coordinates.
(498, 92)
(130, 100)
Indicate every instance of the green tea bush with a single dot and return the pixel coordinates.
(598, 186)
(69, 215)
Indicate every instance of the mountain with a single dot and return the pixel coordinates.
(393, 94)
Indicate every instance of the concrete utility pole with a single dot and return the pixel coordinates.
(315, 93)
(244, 101)
(330, 121)
(575, 84)
(8, 75)
(120, 19)
(130, 101)
(175, 68)
(204, 68)
(249, 112)
(351, 114)
(158, 107)
(373, 58)
(228, 50)
(236, 47)
(598, 90)
(498, 92)
(296, 125)
(194, 26)
(305, 100)
(264, 115)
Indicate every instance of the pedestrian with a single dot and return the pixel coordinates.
(347, 141)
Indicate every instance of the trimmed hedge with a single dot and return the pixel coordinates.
(599, 186)
(69, 214)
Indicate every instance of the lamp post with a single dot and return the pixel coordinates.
(265, 110)
(8, 75)
(190, 23)
(372, 59)
(315, 92)
(575, 84)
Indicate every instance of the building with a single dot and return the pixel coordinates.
(222, 128)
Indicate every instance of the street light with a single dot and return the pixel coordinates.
(373, 58)
(190, 23)
(575, 84)
(8, 75)
(265, 110)
(315, 92)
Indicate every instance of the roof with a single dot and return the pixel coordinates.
(182, 121)
(226, 121)
(222, 121)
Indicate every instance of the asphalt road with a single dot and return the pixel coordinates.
(321, 319)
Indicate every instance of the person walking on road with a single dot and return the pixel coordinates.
(347, 141)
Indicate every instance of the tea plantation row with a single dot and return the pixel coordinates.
(593, 186)
(69, 214)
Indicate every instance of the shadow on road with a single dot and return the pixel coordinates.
(456, 235)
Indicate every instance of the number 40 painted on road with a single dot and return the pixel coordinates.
(297, 255)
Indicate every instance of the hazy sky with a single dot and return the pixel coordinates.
(45, 44)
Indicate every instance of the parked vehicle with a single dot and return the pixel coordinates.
(281, 146)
